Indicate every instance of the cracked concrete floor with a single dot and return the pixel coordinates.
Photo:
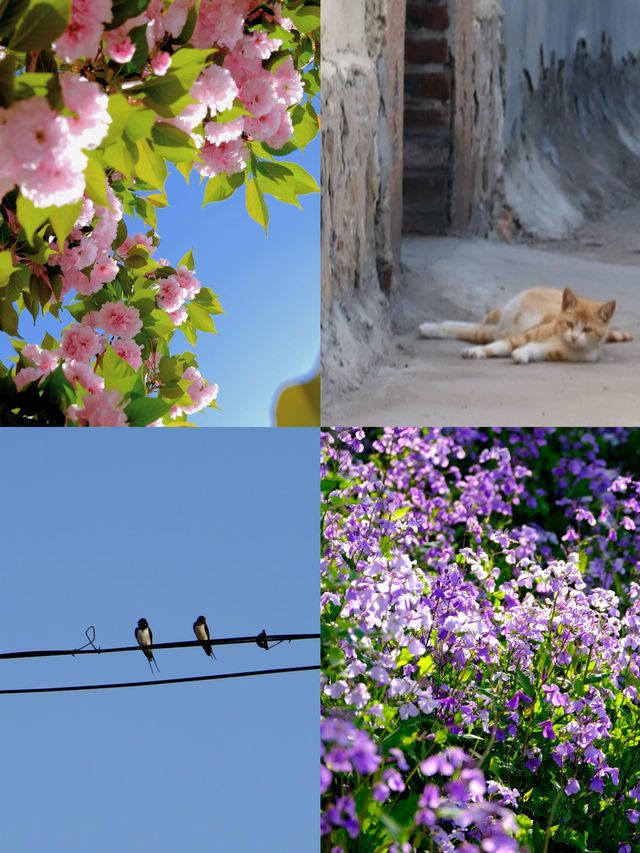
(426, 382)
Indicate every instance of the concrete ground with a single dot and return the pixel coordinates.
(426, 382)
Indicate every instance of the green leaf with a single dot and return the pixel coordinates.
(150, 166)
(95, 182)
(256, 205)
(139, 124)
(10, 12)
(63, 218)
(122, 155)
(122, 10)
(8, 318)
(48, 342)
(173, 144)
(143, 410)
(306, 18)
(43, 84)
(187, 261)
(41, 24)
(222, 186)
(119, 374)
(200, 318)
(167, 95)
(7, 75)
(170, 370)
(59, 388)
(189, 332)
(209, 300)
(306, 123)
(159, 323)
(31, 217)
(277, 180)
(7, 267)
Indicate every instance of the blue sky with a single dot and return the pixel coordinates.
(269, 287)
(165, 524)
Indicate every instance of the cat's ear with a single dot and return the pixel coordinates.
(606, 311)
(569, 299)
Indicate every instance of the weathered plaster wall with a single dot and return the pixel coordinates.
(362, 101)
(533, 32)
(572, 120)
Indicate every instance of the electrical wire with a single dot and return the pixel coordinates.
(159, 681)
(260, 639)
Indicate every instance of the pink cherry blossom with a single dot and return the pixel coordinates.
(160, 63)
(104, 270)
(284, 132)
(178, 317)
(100, 409)
(79, 342)
(129, 351)
(35, 130)
(221, 22)
(26, 375)
(119, 319)
(175, 17)
(259, 94)
(82, 372)
(57, 180)
(215, 88)
(289, 84)
(229, 157)
(188, 281)
(137, 240)
(90, 104)
(170, 294)
(82, 36)
(42, 358)
(119, 46)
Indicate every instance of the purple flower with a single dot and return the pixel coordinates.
(380, 792)
(633, 815)
(547, 730)
(572, 787)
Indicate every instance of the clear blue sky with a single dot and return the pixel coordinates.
(269, 287)
(104, 527)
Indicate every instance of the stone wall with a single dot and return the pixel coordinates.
(362, 98)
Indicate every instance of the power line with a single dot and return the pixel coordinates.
(260, 639)
(159, 681)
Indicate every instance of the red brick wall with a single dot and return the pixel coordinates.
(428, 116)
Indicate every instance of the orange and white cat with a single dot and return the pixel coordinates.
(541, 324)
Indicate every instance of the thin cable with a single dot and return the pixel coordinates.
(159, 681)
(225, 641)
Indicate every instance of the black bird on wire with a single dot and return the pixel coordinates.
(145, 638)
(201, 630)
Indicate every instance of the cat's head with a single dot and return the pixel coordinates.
(583, 323)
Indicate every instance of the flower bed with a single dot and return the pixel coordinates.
(481, 634)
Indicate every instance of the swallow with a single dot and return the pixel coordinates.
(201, 630)
(145, 638)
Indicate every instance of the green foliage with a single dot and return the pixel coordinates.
(39, 24)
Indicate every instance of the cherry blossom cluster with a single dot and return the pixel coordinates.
(41, 150)
(454, 612)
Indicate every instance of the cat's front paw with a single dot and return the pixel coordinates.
(520, 356)
(474, 352)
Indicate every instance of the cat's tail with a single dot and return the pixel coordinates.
(617, 336)
(476, 333)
